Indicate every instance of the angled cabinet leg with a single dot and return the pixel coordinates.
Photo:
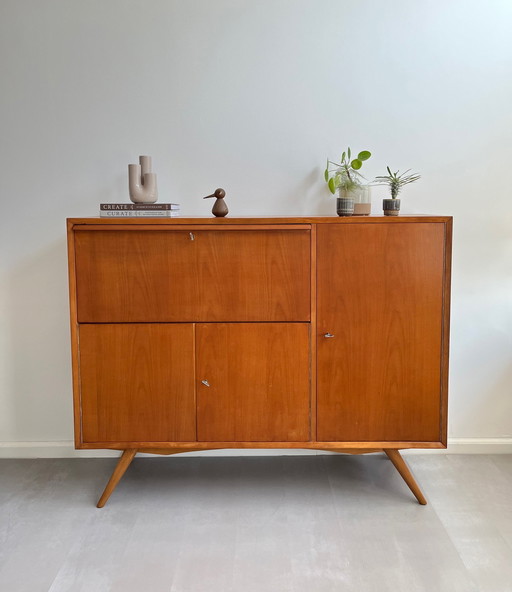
(401, 466)
(123, 463)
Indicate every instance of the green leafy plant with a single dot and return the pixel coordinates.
(395, 181)
(345, 174)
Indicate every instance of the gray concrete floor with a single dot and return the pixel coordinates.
(265, 524)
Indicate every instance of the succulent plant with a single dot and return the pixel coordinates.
(396, 181)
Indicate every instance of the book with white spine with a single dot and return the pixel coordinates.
(139, 213)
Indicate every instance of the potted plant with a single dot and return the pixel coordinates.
(344, 177)
(395, 182)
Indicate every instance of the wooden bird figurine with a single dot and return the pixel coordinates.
(220, 209)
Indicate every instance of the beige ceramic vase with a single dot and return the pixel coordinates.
(142, 182)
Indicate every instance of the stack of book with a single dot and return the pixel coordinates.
(158, 210)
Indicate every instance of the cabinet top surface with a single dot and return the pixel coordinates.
(177, 221)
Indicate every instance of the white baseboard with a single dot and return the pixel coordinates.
(65, 449)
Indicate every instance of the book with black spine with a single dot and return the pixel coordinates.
(138, 206)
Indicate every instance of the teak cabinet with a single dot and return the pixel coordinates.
(203, 333)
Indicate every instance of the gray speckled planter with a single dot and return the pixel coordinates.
(391, 207)
(344, 206)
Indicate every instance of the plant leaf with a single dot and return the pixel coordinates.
(356, 164)
(332, 187)
(364, 155)
(326, 175)
(389, 171)
(348, 153)
(343, 157)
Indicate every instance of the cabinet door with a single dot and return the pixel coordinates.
(172, 275)
(137, 383)
(380, 293)
(253, 382)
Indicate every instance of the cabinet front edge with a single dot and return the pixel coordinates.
(257, 445)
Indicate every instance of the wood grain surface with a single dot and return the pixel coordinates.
(74, 335)
(137, 382)
(212, 222)
(336, 446)
(122, 465)
(259, 382)
(196, 275)
(445, 349)
(381, 284)
(380, 293)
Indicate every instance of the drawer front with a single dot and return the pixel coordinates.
(199, 275)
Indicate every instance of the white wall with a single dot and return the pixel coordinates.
(252, 97)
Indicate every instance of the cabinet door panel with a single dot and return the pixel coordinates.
(137, 383)
(203, 275)
(258, 377)
(380, 293)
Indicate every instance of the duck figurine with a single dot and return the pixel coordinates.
(220, 209)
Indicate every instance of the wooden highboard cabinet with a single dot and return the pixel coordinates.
(316, 333)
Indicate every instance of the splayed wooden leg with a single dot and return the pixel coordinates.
(401, 466)
(119, 471)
